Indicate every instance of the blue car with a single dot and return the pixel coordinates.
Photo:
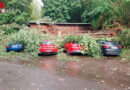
(15, 46)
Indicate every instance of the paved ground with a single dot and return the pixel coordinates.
(51, 74)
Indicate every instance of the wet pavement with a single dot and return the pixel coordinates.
(48, 73)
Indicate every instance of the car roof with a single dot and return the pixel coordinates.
(111, 41)
(107, 41)
(15, 41)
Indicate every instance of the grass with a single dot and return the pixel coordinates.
(125, 54)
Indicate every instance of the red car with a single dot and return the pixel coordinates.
(48, 47)
(72, 48)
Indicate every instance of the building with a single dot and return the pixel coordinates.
(62, 28)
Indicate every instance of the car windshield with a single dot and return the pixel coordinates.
(100, 41)
(47, 42)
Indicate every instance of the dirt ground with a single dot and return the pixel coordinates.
(48, 73)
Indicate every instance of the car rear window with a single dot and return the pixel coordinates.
(15, 42)
(112, 43)
(46, 42)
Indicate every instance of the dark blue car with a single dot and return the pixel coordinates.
(110, 47)
(15, 46)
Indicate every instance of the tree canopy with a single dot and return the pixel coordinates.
(101, 13)
(18, 11)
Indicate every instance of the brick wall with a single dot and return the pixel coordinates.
(63, 29)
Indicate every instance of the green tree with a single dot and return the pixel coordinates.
(57, 10)
(36, 9)
(18, 11)
(101, 13)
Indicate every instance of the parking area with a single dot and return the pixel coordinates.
(48, 73)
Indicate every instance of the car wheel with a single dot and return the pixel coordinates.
(18, 51)
(39, 54)
(55, 54)
(102, 54)
(7, 50)
(68, 53)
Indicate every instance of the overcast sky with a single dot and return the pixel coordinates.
(39, 2)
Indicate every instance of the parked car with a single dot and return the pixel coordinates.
(110, 47)
(71, 48)
(15, 46)
(48, 47)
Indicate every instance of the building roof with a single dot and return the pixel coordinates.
(48, 23)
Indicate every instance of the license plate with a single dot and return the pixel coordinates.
(114, 48)
(48, 50)
(14, 46)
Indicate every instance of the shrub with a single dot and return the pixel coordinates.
(1, 35)
(10, 28)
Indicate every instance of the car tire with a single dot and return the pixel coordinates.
(39, 54)
(67, 51)
(7, 50)
(102, 54)
(18, 51)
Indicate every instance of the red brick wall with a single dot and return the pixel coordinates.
(64, 29)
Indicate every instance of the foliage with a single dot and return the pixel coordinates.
(30, 38)
(17, 11)
(125, 15)
(9, 28)
(90, 45)
(57, 10)
(45, 19)
(105, 39)
(73, 39)
(101, 13)
(125, 54)
(87, 43)
(1, 35)
(124, 38)
(36, 10)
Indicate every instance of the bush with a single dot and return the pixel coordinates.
(125, 54)
(1, 35)
(124, 38)
(9, 28)
(105, 39)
